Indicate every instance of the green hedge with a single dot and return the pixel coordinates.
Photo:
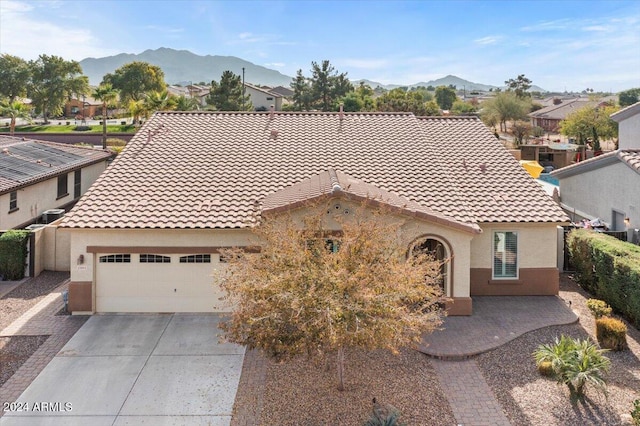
(609, 269)
(13, 254)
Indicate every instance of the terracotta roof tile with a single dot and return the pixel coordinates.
(24, 161)
(207, 170)
(496, 188)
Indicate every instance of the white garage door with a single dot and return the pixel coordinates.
(157, 283)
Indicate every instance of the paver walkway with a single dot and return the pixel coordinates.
(40, 320)
(496, 320)
(469, 395)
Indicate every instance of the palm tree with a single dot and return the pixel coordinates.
(187, 104)
(107, 94)
(138, 109)
(159, 101)
(15, 110)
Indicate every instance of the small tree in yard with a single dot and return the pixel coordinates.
(309, 292)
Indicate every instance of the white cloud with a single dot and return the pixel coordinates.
(597, 28)
(275, 64)
(28, 37)
(559, 24)
(487, 40)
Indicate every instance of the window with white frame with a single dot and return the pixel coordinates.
(13, 201)
(505, 254)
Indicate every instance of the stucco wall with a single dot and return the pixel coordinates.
(629, 133)
(35, 199)
(592, 193)
(259, 99)
(537, 245)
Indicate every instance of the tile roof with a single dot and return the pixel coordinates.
(626, 112)
(209, 169)
(630, 157)
(333, 183)
(491, 180)
(561, 111)
(24, 162)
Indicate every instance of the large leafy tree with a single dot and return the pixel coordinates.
(592, 121)
(309, 293)
(505, 106)
(400, 100)
(135, 79)
(519, 85)
(629, 97)
(15, 110)
(445, 97)
(14, 77)
(108, 95)
(53, 81)
(227, 95)
(323, 90)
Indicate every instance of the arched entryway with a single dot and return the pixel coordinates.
(441, 252)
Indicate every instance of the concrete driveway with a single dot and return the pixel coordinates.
(160, 369)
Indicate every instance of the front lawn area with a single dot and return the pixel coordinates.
(54, 128)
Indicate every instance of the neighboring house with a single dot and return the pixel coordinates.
(36, 176)
(282, 91)
(608, 186)
(549, 118)
(147, 236)
(262, 99)
(84, 106)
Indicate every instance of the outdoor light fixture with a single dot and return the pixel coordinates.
(81, 259)
(627, 221)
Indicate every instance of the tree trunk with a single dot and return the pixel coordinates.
(104, 125)
(340, 361)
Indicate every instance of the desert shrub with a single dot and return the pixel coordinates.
(599, 308)
(575, 363)
(383, 415)
(609, 269)
(635, 413)
(115, 150)
(611, 334)
(537, 131)
(545, 368)
(13, 254)
(116, 142)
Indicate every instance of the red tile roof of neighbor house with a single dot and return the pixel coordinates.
(213, 169)
(24, 162)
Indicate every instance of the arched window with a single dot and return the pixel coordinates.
(438, 249)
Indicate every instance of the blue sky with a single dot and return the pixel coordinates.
(560, 45)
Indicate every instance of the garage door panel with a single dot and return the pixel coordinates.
(158, 287)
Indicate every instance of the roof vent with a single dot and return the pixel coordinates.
(5, 151)
(341, 112)
(272, 112)
(274, 134)
(483, 167)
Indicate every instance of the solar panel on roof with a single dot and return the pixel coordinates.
(21, 162)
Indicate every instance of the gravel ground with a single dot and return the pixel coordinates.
(530, 399)
(14, 351)
(304, 392)
(28, 294)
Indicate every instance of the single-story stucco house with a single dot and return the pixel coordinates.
(608, 186)
(147, 235)
(38, 176)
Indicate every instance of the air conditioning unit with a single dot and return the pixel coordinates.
(35, 226)
(50, 215)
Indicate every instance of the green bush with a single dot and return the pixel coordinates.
(575, 363)
(635, 413)
(116, 142)
(611, 334)
(609, 269)
(13, 254)
(599, 308)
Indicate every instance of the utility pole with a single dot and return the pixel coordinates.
(243, 88)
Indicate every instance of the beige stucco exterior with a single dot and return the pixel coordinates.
(261, 99)
(629, 132)
(34, 199)
(590, 195)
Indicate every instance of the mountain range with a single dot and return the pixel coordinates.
(184, 67)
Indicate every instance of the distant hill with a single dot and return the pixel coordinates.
(181, 66)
